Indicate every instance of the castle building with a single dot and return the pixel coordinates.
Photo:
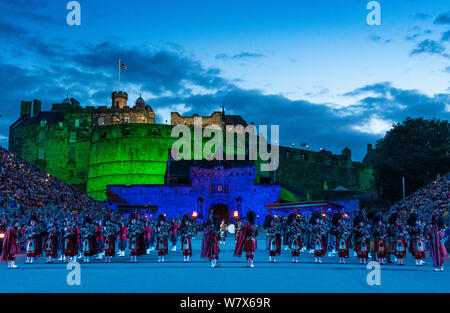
(112, 151)
(200, 186)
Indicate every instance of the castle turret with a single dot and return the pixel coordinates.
(36, 107)
(119, 99)
(140, 103)
(347, 153)
(25, 109)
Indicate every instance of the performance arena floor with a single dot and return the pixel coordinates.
(232, 276)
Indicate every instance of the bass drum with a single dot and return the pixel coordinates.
(231, 229)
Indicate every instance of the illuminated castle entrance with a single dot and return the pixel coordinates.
(220, 210)
(201, 186)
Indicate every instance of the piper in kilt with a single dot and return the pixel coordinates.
(436, 236)
(173, 227)
(70, 241)
(247, 241)
(89, 239)
(342, 234)
(362, 236)
(110, 232)
(10, 246)
(122, 237)
(417, 240)
(135, 233)
(186, 233)
(148, 236)
(51, 243)
(317, 233)
(295, 235)
(400, 234)
(210, 241)
(162, 234)
(379, 236)
(273, 231)
(33, 236)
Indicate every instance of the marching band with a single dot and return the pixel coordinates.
(85, 237)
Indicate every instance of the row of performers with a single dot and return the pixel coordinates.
(386, 239)
(94, 238)
(374, 238)
(41, 237)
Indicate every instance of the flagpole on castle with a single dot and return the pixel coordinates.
(118, 88)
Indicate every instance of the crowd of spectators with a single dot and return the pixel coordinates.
(25, 189)
(435, 197)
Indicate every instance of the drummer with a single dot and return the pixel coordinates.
(223, 232)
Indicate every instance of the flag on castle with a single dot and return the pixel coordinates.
(121, 66)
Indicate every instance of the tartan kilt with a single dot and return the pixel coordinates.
(109, 246)
(250, 245)
(161, 245)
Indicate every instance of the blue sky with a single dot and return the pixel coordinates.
(313, 67)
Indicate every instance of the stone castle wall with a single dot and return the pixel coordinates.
(214, 119)
(68, 142)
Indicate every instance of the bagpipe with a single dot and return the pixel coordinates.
(30, 233)
(88, 232)
(110, 230)
(162, 231)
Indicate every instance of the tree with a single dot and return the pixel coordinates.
(416, 149)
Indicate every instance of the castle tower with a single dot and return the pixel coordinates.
(25, 109)
(36, 107)
(140, 102)
(119, 99)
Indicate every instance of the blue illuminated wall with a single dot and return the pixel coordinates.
(233, 187)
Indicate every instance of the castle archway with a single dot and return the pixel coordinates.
(220, 210)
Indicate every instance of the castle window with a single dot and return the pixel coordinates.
(73, 137)
(126, 120)
(42, 137)
(101, 121)
(77, 123)
(43, 123)
(41, 154)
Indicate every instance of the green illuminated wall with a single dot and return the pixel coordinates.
(64, 158)
(126, 155)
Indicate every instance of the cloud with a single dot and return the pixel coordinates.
(378, 39)
(176, 80)
(390, 103)
(374, 125)
(443, 19)
(446, 36)
(157, 71)
(239, 56)
(421, 16)
(418, 33)
(430, 47)
(319, 91)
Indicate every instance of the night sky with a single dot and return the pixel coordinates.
(316, 68)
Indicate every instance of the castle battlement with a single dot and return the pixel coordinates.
(215, 119)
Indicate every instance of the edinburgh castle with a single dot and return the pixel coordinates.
(94, 147)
